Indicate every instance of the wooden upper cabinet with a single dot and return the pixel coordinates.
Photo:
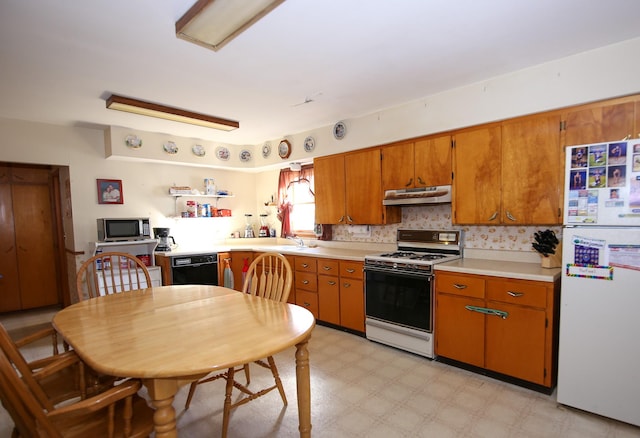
(398, 166)
(363, 189)
(432, 161)
(329, 182)
(477, 176)
(532, 166)
(349, 189)
(422, 163)
(600, 122)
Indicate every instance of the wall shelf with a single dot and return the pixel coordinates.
(176, 196)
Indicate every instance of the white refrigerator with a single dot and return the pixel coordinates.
(599, 345)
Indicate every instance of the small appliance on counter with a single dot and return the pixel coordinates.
(162, 234)
(123, 229)
(248, 229)
(264, 228)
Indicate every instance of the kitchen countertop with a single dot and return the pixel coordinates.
(482, 264)
(501, 268)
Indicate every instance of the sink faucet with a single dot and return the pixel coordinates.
(298, 240)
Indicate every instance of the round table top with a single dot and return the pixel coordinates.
(172, 331)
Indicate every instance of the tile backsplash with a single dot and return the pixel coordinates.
(438, 217)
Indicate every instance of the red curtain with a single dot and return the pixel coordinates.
(287, 177)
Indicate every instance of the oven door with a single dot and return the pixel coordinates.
(400, 298)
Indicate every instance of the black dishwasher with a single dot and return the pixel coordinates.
(195, 269)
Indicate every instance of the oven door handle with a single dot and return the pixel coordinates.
(493, 312)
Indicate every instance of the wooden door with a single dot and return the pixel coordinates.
(459, 332)
(432, 161)
(329, 182)
(9, 276)
(532, 166)
(598, 123)
(363, 187)
(33, 221)
(398, 166)
(477, 176)
(515, 345)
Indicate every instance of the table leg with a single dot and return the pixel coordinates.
(162, 392)
(303, 381)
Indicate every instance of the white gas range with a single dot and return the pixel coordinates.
(399, 294)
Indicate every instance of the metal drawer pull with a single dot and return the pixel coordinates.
(305, 265)
(326, 268)
(341, 218)
(493, 216)
(515, 294)
(305, 281)
(510, 216)
(307, 304)
(332, 283)
(351, 271)
(346, 285)
(459, 286)
(484, 310)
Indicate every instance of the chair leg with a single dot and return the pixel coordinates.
(192, 391)
(276, 376)
(227, 402)
(246, 373)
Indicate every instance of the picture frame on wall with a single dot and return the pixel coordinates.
(110, 191)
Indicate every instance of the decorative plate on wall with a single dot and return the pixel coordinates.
(309, 144)
(245, 155)
(339, 130)
(222, 153)
(133, 141)
(170, 147)
(266, 150)
(198, 150)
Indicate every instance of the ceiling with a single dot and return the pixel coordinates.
(60, 60)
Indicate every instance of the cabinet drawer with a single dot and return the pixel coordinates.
(306, 281)
(351, 269)
(308, 300)
(306, 264)
(460, 284)
(327, 267)
(518, 292)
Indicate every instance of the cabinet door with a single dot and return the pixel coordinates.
(515, 345)
(352, 304)
(398, 166)
(599, 122)
(532, 163)
(432, 162)
(237, 263)
(329, 299)
(459, 332)
(9, 280)
(363, 190)
(308, 300)
(477, 176)
(329, 182)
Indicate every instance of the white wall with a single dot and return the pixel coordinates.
(598, 74)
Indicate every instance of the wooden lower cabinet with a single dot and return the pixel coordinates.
(507, 326)
(238, 259)
(328, 291)
(352, 295)
(306, 284)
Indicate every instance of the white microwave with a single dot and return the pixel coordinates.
(122, 229)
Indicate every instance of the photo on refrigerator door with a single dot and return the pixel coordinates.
(617, 153)
(597, 178)
(597, 155)
(616, 176)
(579, 157)
(578, 179)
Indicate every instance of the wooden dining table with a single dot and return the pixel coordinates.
(169, 336)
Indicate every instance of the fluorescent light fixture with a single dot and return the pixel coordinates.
(169, 113)
(213, 23)
(295, 166)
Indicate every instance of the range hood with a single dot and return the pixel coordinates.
(418, 196)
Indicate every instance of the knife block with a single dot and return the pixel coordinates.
(553, 260)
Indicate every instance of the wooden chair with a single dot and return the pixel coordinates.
(55, 378)
(111, 272)
(270, 277)
(117, 412)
